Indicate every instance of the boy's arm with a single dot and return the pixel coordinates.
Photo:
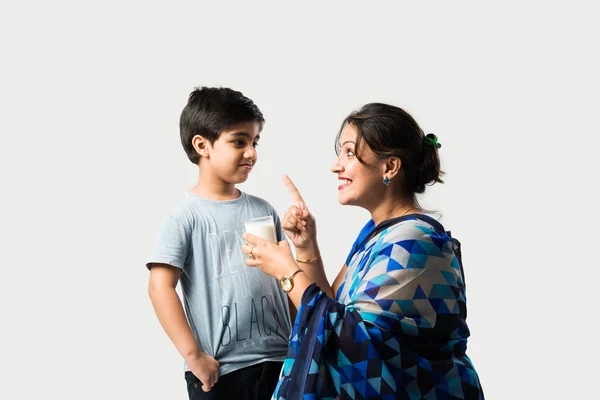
(168, 308)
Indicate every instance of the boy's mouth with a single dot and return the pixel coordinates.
(246, 165)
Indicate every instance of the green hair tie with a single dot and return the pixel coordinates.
(432, 140)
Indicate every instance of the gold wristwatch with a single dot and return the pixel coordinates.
(287, 282)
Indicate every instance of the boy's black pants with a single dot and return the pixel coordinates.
(256, 382)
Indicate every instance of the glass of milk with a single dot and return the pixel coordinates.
(263, 227)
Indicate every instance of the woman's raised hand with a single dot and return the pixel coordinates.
(298, 223)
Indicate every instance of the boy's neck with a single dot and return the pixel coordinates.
(215, 190)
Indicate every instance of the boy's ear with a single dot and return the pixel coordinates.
(200, 145)
(392, 166)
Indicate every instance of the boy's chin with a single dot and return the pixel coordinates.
(237, 181)
(236, 177)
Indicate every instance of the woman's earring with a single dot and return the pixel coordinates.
(386, 181)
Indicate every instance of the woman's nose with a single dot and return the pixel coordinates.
(337, 166)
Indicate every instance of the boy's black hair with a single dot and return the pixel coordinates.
(209, 111)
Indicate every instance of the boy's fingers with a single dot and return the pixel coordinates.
(294, 192)
(209, 382)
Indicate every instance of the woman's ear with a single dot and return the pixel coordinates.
(201, 146)
(392, 167)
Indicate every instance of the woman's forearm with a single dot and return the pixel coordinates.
(314, 268)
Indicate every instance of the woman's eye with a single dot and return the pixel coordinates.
(350, 153)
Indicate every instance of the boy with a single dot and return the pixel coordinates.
(236, 333)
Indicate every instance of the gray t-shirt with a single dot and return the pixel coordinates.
(237, 314)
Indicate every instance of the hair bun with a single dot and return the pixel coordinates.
(432, 140)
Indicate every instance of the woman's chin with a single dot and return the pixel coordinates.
(344, 200)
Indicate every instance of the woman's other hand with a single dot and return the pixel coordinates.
(274, 259)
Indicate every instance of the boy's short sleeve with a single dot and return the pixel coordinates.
(278, 230)
(172, 244)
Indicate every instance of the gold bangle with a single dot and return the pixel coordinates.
(309, 260)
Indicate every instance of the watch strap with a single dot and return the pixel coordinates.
(291, 277)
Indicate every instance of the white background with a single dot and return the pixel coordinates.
(90, 98)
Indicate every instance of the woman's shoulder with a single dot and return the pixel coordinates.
(423, 236)
(415, 227)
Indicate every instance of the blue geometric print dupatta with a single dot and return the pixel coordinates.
(396, 329)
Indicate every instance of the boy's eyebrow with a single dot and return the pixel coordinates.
(244, 134)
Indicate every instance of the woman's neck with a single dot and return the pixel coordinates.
(389, 210)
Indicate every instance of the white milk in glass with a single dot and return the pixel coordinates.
(263, 227)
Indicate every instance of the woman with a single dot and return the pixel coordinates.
(392, 324)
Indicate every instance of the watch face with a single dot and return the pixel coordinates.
(286, 284)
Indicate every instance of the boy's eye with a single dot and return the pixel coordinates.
(242, 143)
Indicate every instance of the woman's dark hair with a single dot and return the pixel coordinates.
(209, 111)
(390, 131)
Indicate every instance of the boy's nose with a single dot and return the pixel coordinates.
(250, 153)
